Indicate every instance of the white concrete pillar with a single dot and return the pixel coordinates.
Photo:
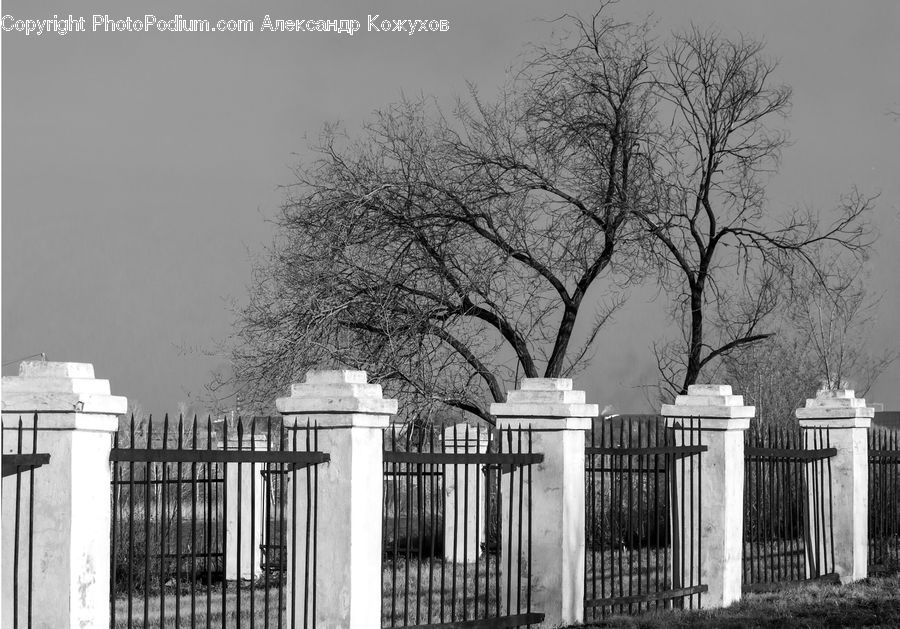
(557, 417)
(465, 495)
(846, 418)
(250, 508)
(76, 417)
(709, 415)
(351, 415)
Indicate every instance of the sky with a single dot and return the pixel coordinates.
(141, 170)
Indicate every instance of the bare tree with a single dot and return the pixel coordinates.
(820, 342)
(445, 254)
(832, 319)
(724, 251)
(776, 375)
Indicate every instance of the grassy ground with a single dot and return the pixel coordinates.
(874, 602)
(871, 603)
(626, 572)
(440, 598)
(201, 619)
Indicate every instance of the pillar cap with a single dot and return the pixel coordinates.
(457, 432)
(829, 406)
(709, 400)
(338, 392)
(59, 387)
(546, 398)
(546, 384)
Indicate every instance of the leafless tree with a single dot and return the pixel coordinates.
(725, 251)
(832, 320)
(820, 342)
(776, 375)
(444, 253)
(448, 252)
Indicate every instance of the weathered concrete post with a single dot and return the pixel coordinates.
(248, 504)
(713, 495)
(351, 416)
(846, 420)
(558, 418)
(465, 490)
(76, 417)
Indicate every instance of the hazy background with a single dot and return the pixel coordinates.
(139, 169)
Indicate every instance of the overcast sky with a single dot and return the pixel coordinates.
(139, 169)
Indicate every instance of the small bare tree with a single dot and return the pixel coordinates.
(832, 319)
(819, 341)
(724, 251)
(776, 375)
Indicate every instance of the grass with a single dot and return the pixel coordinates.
(874, 602)
(408, 583)
(648, 569)
(214, 619)
(437, 597)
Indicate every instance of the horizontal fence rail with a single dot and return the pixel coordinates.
(642, 543)
(292, 460)
(21, 460)
(884, 500)
(456, 527)
(787, 506)
(15, 464)
(200, 517)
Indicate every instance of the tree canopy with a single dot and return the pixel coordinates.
(448, 251)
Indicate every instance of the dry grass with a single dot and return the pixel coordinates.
(431, 586)
(874, 602)
(201, 619)
(437, 597)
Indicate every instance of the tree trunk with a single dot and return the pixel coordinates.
(696, 342)
(557, 357)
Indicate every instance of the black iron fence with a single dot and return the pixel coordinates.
(201, 510)
(787, 506)
(884, 500)
(200, 517)
(21, 457)
(643, 543)
(457, 534)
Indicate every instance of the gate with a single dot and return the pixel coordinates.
(787, 507)
(884, 506)
(201, 524)
(642, 543)
(457, 529)
(20, 460)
